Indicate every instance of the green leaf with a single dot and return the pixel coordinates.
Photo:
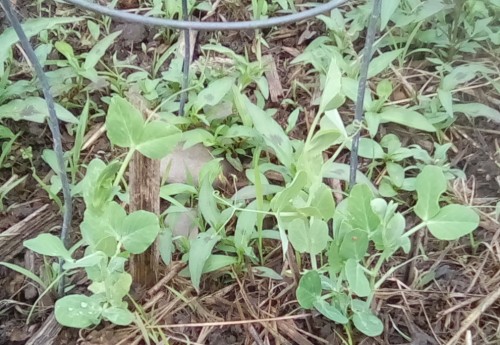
(446, 100)
(47, 244)
(78, 311)
(118, 316)
(430, 184)
(406, 117)
(387, 10)
(330, 311)
(356, 278)
(333, 86)
(283, 199)
(214, 92)
(322, 200)
(368, 323)
(158, 139)
(478, 110)
(309, 289)
(274, 136)
(139, 231)
(354, 245)
(124, 123)
(381, 62)
(369, 148)
(266, 272)
(453, 222)
(90, 260)
(118, 285)
(200, 251)
(360, 213)
(99, 229)
(33, 109)
(99, 49)
(30, 27)
(166, 246)
(25, 272)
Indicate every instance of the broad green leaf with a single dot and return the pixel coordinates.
(78, 311)
(478, 110)
(333, 85)
(118, 316)
(158, 139)
(341, 171)
(99, 229)
(369, 148)
(99, 49)
(356, 278)
(208, 204)
(5, 133)
(245, 226)
(381, 62)
(453, 222)
(118, 284)
(165, 246)
(396, 173)
(446, 100)
(47, 244)
(406, 117)
(24, 272)
(360, 214)
(274, 136)
(283, 199)
(330, 311)
(309, 289)
(354, 245)
(430, 184)
(33, 109)
(322, 200)
(30, 27)
(139, 230)
(266, 272)
(200, 251)
(124, 123)
(312, 239)
(368, 323)
(214, 92)
(90, 260)
(216, 262)
(387, 10)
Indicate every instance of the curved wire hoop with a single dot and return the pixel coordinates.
(207, 26)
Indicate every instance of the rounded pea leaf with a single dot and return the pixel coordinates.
(354, 245)
(368, 323)
(139, 230)
(356, 278)
(309, 290)
(47, 244)
(118, 316)
(158, 139)
(78, 311)
(430, 184)
(330, 311)
(124, 123)
(453, 222)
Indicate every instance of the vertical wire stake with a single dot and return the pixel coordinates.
(186, 62)
(363, 76)
(53, 125)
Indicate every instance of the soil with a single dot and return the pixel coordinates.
(427, 301)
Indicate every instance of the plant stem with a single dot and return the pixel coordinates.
(414, 229)
(124, 166)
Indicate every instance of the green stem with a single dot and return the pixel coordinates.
(414, 229)
(124, 166)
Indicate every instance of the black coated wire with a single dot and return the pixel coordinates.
(363, 76)
(207, 26)
(187, 60)
(53, 125)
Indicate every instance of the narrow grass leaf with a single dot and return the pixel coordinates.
(200, 251)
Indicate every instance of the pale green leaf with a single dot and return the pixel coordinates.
(356, 278)
(367, 323)
(333, 85)
(78, 311)
(309, 289)
(360, 214)
(200, 251)
(118, 316)
(158, 139)
(99, 49)
(430, 185)
(214, 92)
(47, 244)
(387, 10)
(406, 117)
(453, 222)
(381, 62)
(33, 109)
(139, 230)
(124, 123)
(478, 110)
(24, 272)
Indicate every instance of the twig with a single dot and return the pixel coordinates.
(186, 62)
